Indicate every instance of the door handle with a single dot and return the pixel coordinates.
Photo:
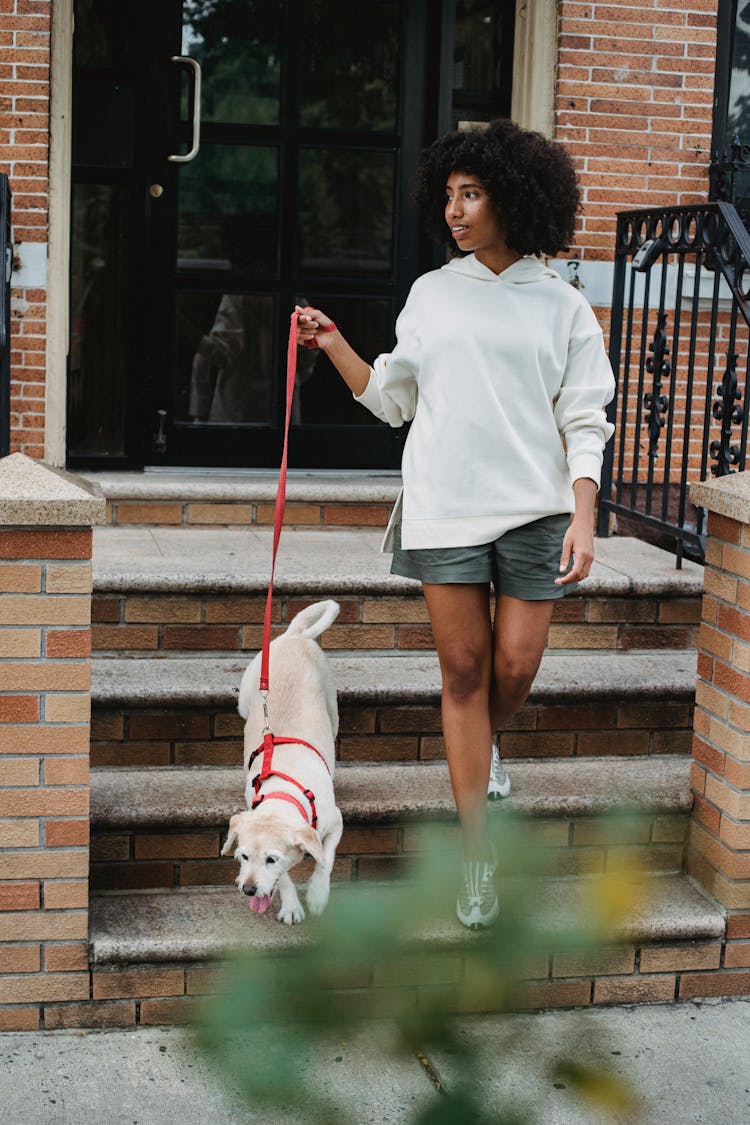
(176, 157)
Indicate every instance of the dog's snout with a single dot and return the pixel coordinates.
(249, 890)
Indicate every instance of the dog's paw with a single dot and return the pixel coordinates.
(317, 894)
(289, 915)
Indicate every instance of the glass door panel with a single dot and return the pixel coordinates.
(99, 276)
(225, 346)
(238, 44)
(346, 212)
(345, 88)
(228, 201)
(324, 397)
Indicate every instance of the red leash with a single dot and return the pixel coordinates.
(278, 519)
(269, 740)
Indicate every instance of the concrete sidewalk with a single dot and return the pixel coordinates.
(687, 1063)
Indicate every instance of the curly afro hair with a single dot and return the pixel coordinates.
(530, 180)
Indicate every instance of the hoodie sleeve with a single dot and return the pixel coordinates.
(391, 392)
(587, 386)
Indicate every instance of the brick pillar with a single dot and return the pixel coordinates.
(45, 705)
(719, 850)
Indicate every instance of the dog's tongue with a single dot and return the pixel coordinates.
(259, 904)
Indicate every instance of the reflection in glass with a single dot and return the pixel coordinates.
(228, 209)
(368, 325)
(238, 45)
(104, 33)
(475, 46)
(343, 88)
(99, 332)
(224, 357)
(345, 221)
(483, 59)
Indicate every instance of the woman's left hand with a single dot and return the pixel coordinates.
(578, 543)
(579, 538)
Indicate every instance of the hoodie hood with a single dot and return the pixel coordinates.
(522, 272)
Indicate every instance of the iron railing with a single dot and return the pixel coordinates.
(680, 352)
(6, 266)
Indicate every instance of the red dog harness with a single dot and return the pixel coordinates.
(269, 738)
(273, 740)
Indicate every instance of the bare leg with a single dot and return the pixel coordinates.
(460, 617)
(520, 636)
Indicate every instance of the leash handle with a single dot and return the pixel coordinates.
(291, 369)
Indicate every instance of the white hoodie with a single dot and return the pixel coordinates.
(495, 371)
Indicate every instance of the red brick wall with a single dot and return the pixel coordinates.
(45, 639)
(634, 103)
(24, 149)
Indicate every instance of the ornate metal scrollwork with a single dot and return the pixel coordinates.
(654, 401)
(726, 409)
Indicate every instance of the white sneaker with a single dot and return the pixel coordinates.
(499, 783)
(476, 903)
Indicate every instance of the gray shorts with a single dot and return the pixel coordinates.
(522, 563)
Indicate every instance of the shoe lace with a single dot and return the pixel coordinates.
(497, 772)
(478, 887)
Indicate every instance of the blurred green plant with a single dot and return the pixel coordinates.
(394, 951)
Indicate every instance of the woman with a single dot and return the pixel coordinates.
(500, 367)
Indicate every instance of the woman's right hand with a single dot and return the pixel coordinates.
(309, 325)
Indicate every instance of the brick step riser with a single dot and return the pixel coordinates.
(150, 860)
(236, 514)
(172, 992)
(180, 623)
(391, 733)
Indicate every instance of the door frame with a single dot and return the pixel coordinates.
(58, 233)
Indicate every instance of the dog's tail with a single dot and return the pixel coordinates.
(314, 620)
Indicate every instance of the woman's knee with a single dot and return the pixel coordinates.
(465, 672)
(514, 673)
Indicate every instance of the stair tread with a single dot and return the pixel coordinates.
(207, 797)
(198, 925)
(312, 561)
(584, 675)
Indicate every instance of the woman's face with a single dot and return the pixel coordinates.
(470, 215)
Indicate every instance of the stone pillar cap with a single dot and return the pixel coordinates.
(34, 495)
(727, 496)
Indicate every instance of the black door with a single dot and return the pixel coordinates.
(233, 158)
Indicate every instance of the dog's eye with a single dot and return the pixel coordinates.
(243, 855)
(270, 859)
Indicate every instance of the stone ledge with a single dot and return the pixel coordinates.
(190, 486)
(34, 495)
(727, 496)
(203, 925)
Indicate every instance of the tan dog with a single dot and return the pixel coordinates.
(269, 840)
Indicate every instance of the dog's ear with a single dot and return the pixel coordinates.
(309, 841)
(231, 841)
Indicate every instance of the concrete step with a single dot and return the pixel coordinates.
(182, 711)
(201, 498)
(165, 827)
(171, 590)
(201, 924)
(159, 954)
